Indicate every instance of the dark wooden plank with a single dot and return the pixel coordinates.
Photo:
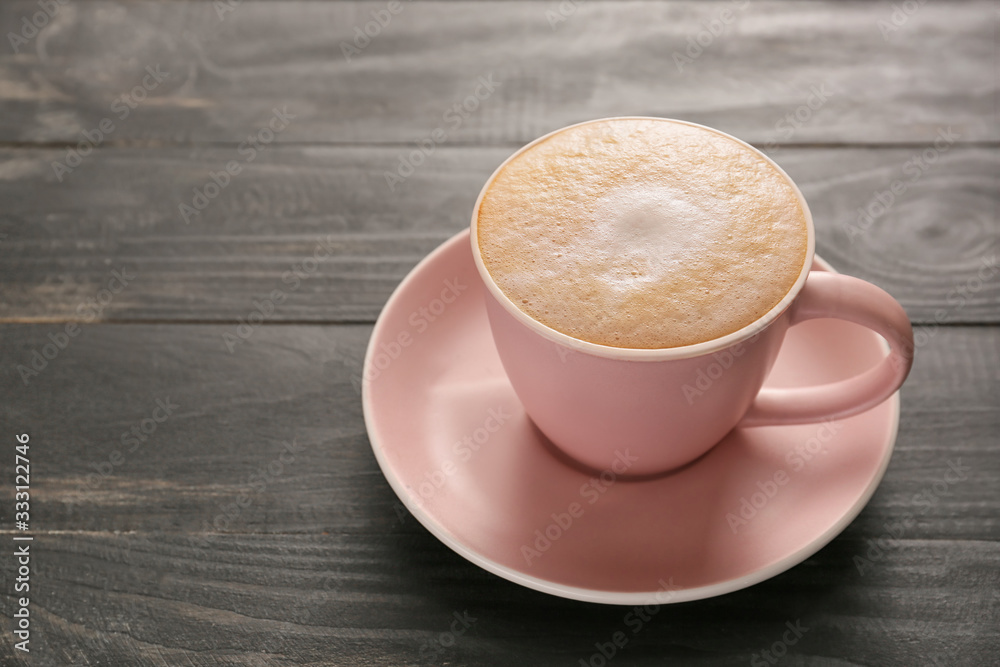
(229, 70)
(132, 562)
(321, 568)
(300, 384)
(343, 599)
(931, 248)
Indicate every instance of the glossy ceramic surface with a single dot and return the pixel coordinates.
(455, 444)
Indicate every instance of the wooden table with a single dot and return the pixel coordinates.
(128, 252)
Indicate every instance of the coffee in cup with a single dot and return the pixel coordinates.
(642, 233)
(623, 257)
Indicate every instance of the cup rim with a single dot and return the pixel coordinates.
(644, 354)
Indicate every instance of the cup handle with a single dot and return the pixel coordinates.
(845, 298)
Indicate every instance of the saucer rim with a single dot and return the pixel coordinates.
(600, 596)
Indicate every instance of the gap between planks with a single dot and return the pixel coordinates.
(158, 144)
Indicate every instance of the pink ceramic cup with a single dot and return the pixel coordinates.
(669, 406)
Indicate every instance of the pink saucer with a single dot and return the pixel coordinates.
(459, 451)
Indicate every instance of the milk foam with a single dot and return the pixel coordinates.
(642, 233)
(655, 230)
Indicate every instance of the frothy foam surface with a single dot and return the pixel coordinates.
(642, 233)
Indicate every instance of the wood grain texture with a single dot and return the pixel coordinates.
(171, 551)
(346, 600)
(228, 71)
(324, 567)
(934, 247)
(301, 384)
